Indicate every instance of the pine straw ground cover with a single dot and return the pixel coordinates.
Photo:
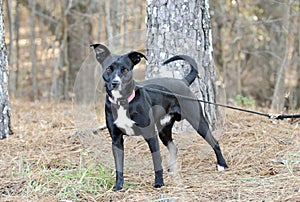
(42, 161)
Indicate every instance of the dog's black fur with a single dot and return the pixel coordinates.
(133, 108)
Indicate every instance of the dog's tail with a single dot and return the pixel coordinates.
(194, 68)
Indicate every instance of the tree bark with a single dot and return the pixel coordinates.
(17, 53)
(125, 22)
(298, 65)
(278, 96)
(108, 23)
(33, 51)
(5, 128)
(13, 62)
(12, 47)
(79, 27)
(182, 27)
(59, 85)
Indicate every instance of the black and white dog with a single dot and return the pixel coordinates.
(133, 108)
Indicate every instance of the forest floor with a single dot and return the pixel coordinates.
(44, 161)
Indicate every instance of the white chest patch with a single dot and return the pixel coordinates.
(123, 122)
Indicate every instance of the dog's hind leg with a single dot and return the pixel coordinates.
(202, 128)
(165, 135)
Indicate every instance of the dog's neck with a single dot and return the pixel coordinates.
(123, 98)
(122, 101)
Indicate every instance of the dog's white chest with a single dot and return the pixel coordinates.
(123, 122)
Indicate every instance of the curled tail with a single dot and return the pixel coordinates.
(194, 69)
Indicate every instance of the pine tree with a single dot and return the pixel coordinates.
(5, 129)
(183, 27)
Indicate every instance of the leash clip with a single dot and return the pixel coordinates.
(275, 116)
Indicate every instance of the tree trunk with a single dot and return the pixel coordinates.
(75, 32)
(17, 62)
(278, 96)
(108, 23)
(79, 27)
(125, 22)
(298, 65)
(58, 87)
(12, 47)
(5, 129)
(182, 27)
(33, 51)
(13, 61)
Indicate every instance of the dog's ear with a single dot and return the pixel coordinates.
(101, 51)
(135, 57)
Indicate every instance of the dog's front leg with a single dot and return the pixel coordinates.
(156, 157)
(118, 152)
(117, 146)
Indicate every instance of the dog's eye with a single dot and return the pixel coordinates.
(108, 69)
(124, 70)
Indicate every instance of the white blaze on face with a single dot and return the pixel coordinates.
(116, 93)
(123, 122)
(117, 78)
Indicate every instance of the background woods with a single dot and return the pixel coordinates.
(49, 41)
(256, 57)
(256, 44)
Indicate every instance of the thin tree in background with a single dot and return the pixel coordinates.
(5, 129)
(298, 65)
(33, 50)
(182, 27)
(13, 22)
(278, 96)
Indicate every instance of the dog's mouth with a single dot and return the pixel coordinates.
(115, 88)
(116, 94)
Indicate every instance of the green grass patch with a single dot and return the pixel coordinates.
(62, 181)
(72, 182)
(244, 101)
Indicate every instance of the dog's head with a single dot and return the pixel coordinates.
(117, 69)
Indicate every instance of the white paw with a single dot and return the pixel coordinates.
(220, 168)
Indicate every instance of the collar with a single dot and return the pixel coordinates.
(122, 101)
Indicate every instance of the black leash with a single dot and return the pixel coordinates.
(271, 116)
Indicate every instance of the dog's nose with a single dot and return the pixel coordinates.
(115, 83)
